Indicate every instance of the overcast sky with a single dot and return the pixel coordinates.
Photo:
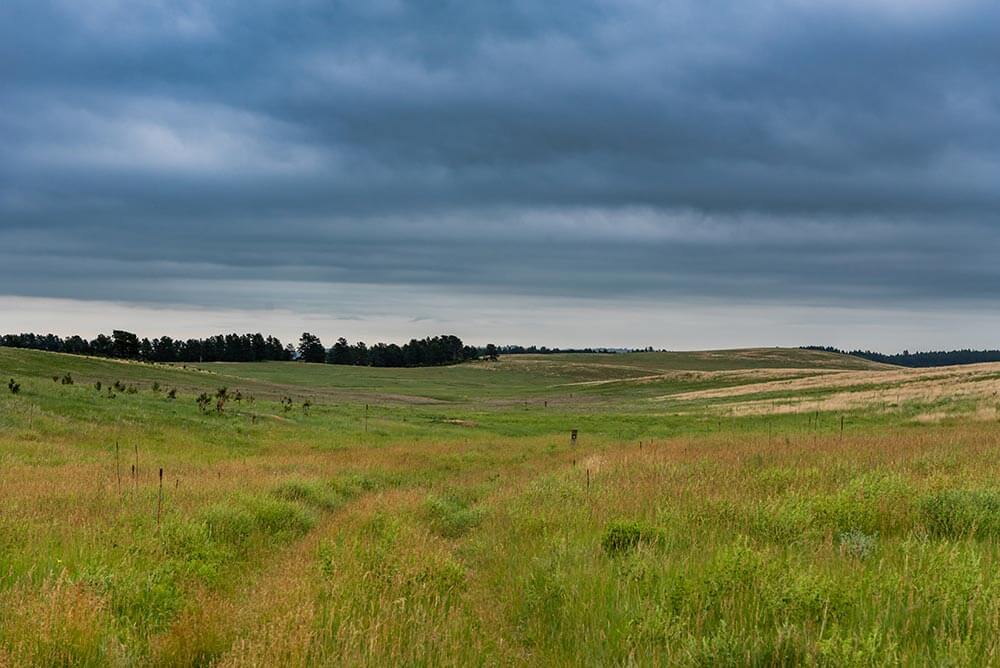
(620, 173)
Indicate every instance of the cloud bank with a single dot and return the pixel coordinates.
(273, 155)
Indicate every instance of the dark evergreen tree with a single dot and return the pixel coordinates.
(311, 348)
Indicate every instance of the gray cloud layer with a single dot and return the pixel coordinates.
(832, 152)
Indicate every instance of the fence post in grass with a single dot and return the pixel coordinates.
(572, 437)
(841, 427)
(159, 501)
(366, 418)
(588, 480)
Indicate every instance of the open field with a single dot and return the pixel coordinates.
(761, 507)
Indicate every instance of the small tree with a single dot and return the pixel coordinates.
(67, 379)
(221, 396)
(13, 386)
(172, 394)
(203, 401)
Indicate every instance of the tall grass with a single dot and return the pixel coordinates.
(472, 533)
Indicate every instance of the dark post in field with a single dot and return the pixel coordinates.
(159, 501)
(572, 436)
(841, 427)
(366, 418)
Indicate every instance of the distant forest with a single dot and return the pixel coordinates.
(430, 351)
(926, 359)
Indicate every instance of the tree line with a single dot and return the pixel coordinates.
(126, 345)
(920, 359)
(430, 351)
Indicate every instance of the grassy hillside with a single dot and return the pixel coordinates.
(726, 508)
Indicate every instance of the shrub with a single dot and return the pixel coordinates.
(13, 386)
(857, 544)
(621, 537)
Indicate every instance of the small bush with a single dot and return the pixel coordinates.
(13, 386)
(172, 394)
(857, 544)
(621, 537)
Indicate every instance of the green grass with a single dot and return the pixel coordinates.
(453, 522)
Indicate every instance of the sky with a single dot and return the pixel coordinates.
(621, 173)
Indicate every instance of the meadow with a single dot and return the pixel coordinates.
(751, 507)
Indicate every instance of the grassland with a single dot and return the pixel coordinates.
(751, 507)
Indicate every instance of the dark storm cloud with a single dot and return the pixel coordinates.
(831, 151)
